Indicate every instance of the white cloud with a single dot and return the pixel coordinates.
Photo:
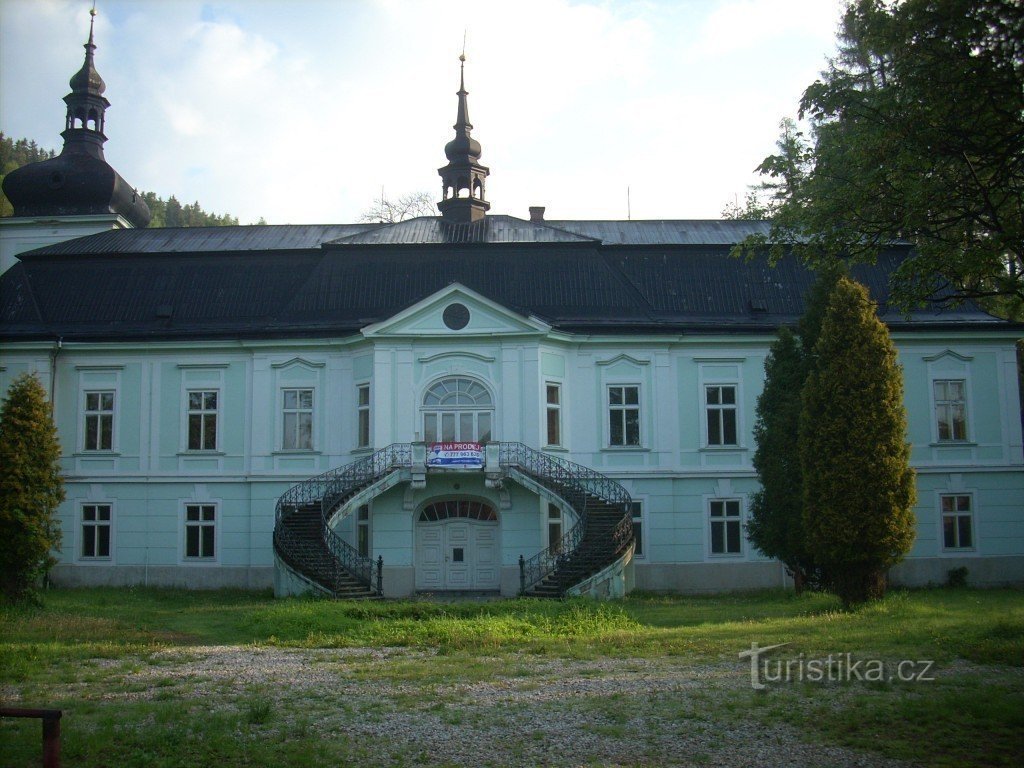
(301, 111)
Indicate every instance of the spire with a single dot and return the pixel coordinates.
(87, 79)
(462, 180)
(78, 182)
(83, 127)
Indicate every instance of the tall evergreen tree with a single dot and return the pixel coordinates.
(858, 484)
(776, 525)
(31, 487)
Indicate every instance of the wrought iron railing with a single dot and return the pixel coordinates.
(329, 490)
(576, 485)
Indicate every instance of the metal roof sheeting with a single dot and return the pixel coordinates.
(432, 230)
(257, 237)
(666, 231)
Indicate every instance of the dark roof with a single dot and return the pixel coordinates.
(73, 183)
(257, 237)
(434, 230)
(264, 282)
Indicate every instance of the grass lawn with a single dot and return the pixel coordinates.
(151, 677)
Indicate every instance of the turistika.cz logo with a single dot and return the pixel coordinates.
(834, 668)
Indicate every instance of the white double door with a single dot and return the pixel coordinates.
(457, 554)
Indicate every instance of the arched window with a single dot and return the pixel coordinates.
(464, 508)
(457, 410)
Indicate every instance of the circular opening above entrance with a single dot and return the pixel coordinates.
(456, 316)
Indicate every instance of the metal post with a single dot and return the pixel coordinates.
(522, 575)
(51, 742)
(380, 575)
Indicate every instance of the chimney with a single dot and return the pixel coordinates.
(536, 213)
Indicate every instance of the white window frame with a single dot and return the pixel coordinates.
(552, 515)
(710, 523)
(720, 409)
(298, 409)
(458, 411)
(99, 413)
(622, 408)
(555, 408)
(202, 412)
(971, 513)
(638, 513)
(363, 524)
(935, 402)
(186, 524)
(364, 416)
(83, 523)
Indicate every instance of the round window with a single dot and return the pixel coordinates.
(456, 316)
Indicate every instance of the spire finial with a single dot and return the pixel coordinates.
(92, 21)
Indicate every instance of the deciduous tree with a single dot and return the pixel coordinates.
(917, 133)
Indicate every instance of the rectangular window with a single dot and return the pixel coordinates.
(363, 409)
(202, 420)
(200, 527)
(553, 398)
(720, 402)
(637, 513)
(99, 421)
(951, 409)
(298, 420)
(956, 522)
(363, 531)
(624, 415)
(96, 531)
(725, 527)
(554, 528)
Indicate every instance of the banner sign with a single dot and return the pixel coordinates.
(459, 455)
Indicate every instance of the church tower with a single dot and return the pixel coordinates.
(462, 180)
(76, 193)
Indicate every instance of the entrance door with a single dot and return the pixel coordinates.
(457, 547)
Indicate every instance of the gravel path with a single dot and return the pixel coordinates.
(534, 711)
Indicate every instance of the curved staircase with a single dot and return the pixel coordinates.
(307, 545)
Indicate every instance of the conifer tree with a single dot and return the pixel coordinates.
(31, 487)
(858, 484)
(776, 525)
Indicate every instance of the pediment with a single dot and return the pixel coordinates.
(457, 311)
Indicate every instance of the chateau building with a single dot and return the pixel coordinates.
(467, 401)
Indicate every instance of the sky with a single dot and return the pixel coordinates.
(301, 111)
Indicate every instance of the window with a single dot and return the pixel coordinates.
(457, 410)
(725, 527)
(298, 420)
(96, 531)
(553, 397)
(554, 529)
(951, 409)
(624, 415)
(200, 526)
(202, 420)
(440, 511)
(956, 522)
(363, 531)
(99, 421)
(363, 409)
(637, 513)
(720, 402)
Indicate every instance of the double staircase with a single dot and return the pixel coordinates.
(307, 544)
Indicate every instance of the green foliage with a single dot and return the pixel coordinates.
(917, 133)
(171, 213)
(31, 487)
(13, 155)
(776, 511)
(858, 484)
(165, 213)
